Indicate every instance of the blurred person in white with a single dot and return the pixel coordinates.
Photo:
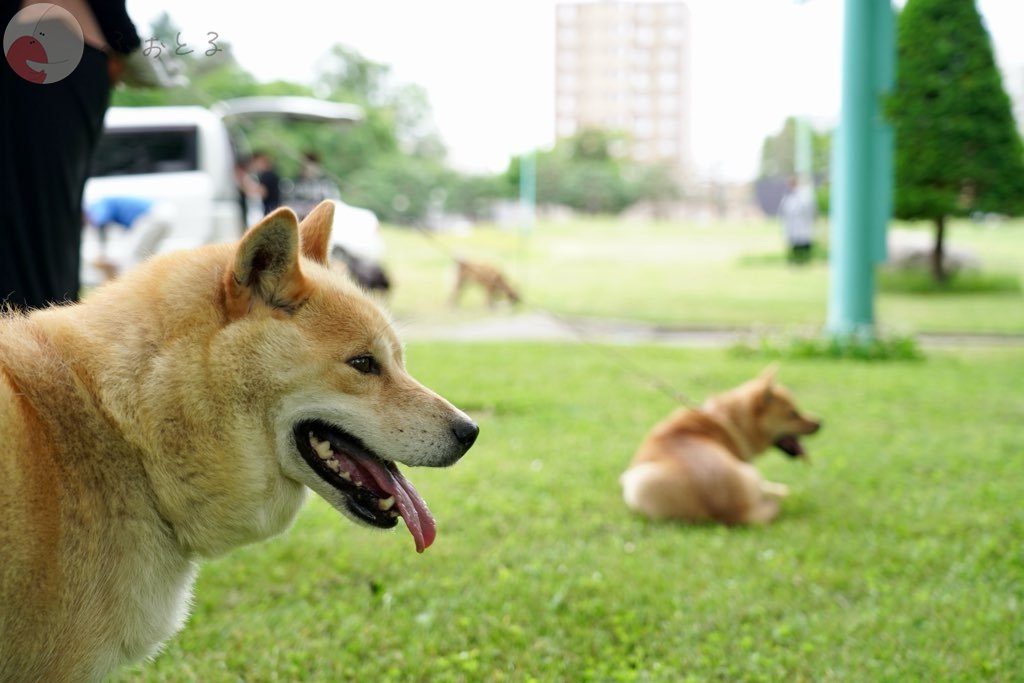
(797, 212)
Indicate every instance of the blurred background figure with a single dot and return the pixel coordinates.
(247, 189)
(129, 230)
(367, 273)
(268, 181)
(49, 131)
(312, 186)
(797, 213)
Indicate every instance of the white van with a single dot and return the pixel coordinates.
(182, 159)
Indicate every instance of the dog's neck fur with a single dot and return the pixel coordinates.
(149, 600)
(740, 422)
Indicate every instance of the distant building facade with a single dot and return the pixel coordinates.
(626, 66)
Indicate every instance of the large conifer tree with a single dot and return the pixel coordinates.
(957, 146)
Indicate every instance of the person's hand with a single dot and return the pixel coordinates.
(141, 71)
(115, 68)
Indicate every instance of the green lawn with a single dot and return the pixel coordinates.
(898, 556)
(689, 275)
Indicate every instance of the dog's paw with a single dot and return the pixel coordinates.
(776, 490)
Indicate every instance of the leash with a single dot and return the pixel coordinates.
(609, 352)
(625, 364)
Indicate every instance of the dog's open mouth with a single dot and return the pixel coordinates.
(791, 446)
(375, 491)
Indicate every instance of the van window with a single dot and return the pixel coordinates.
(134, 151)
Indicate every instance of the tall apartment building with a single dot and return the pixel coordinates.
(626, 66)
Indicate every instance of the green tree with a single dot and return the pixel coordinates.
(957, 148)
(656, 184)
(472, 195)
(399, 189)
(778, 152)
(589, 173)
(404, 109)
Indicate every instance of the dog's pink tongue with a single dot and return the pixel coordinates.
(411, 506)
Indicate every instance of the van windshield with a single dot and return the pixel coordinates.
(135, 151)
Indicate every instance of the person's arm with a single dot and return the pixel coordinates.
(116, 25)
(254, 187)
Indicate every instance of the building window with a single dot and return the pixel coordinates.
(644, 35)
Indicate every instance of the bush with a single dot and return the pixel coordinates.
(824, 346)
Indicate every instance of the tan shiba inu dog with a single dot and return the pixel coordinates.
(184, 410)
(695, 465)
(487, 276)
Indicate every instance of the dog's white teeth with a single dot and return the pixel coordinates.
(322, 448)
(386, 503)
(345, 475)
(333, 464)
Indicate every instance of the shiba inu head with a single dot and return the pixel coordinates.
(780, 419)
(344, 410)
(765, 414)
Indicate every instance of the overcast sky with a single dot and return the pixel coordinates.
(488, 65)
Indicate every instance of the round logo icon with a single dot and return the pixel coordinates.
(43, 43)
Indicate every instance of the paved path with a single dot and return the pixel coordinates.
(542, 326)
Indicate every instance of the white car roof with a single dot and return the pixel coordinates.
(125, 117)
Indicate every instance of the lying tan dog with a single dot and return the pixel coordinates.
(695, 465)
(487, 276)
(184, 410)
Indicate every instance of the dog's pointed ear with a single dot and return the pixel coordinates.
(766, 380)
(265, 267)
(315, 232)
(768, 374)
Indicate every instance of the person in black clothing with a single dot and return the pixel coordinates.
(269, 181)
(48, 133)
(245, 186)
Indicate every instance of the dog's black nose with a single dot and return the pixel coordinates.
(465, 432)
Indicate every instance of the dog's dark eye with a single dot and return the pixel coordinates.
(365, 364)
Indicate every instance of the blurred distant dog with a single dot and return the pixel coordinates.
(487, 276)
(695, 465)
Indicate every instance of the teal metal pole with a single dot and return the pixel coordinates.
(859, 207)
